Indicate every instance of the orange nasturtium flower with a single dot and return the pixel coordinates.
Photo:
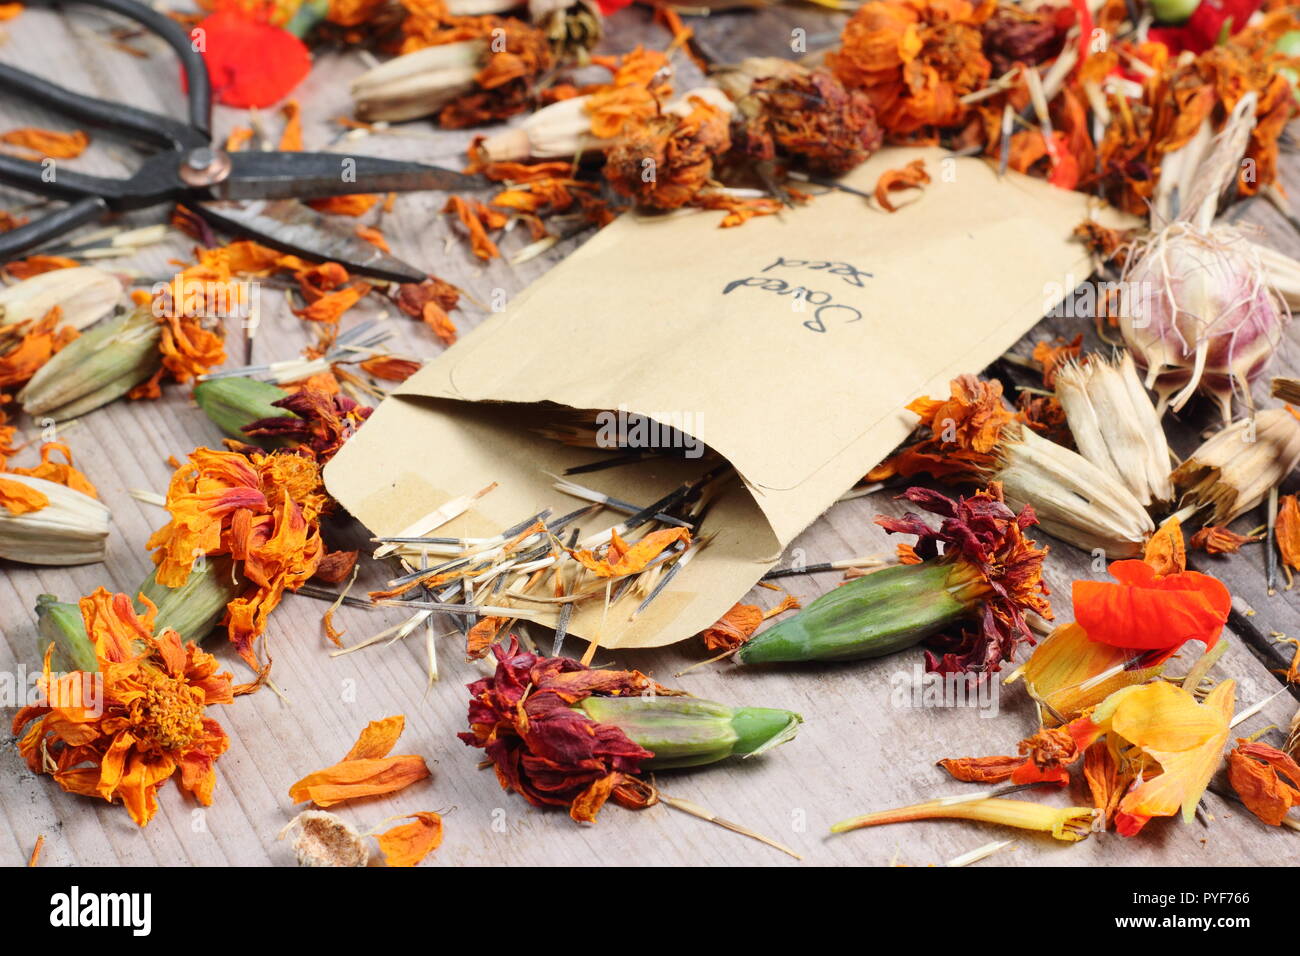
(1152, 613)
(1288, 534)
(263, 511)
(366, 771)
(123, 730)
(1176, 741)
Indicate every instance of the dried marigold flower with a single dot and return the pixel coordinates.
(971, 436)
(810, 119)
(562, 734)
(665, 163)
(916, 59)
(1014, 35)
(263, 511)
(318, 422)
(122, 730)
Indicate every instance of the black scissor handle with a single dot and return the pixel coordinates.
(196, 71)
(117, 117)
(19, 240)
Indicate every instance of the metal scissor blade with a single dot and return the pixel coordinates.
(272, 175)
(292, 227)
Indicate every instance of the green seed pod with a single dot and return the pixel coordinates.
(193, 609)
(60, 623)
(99, 367)
(232, 403)
(689, 732)
(875, 615)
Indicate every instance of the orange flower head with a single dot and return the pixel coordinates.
(263, 510)
(962, 434)
(124, 730)
(916, 59)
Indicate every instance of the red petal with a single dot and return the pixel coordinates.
(252, 64)
(1148, 612)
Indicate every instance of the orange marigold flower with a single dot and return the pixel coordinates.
(366, 771)
(124, 730)
(965, 433)
(915, 59)
(810, 119)
(263, 511)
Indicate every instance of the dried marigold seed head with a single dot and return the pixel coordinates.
(666, 162)
(811, 120)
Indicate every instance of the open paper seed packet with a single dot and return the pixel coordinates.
(784, 347)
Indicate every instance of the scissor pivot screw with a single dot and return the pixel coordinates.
(205, 166)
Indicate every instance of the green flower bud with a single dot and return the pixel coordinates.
(688, 732)
(60, 623)
(98, 367)
(193, 609)
(232, 403)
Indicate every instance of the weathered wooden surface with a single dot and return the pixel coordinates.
(859, 750)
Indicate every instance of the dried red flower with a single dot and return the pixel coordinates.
(522, 717)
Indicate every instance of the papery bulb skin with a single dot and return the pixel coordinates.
(1198, 314)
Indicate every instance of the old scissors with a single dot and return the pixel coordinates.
(252, 193)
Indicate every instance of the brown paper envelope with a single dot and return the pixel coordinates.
(789, 346)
